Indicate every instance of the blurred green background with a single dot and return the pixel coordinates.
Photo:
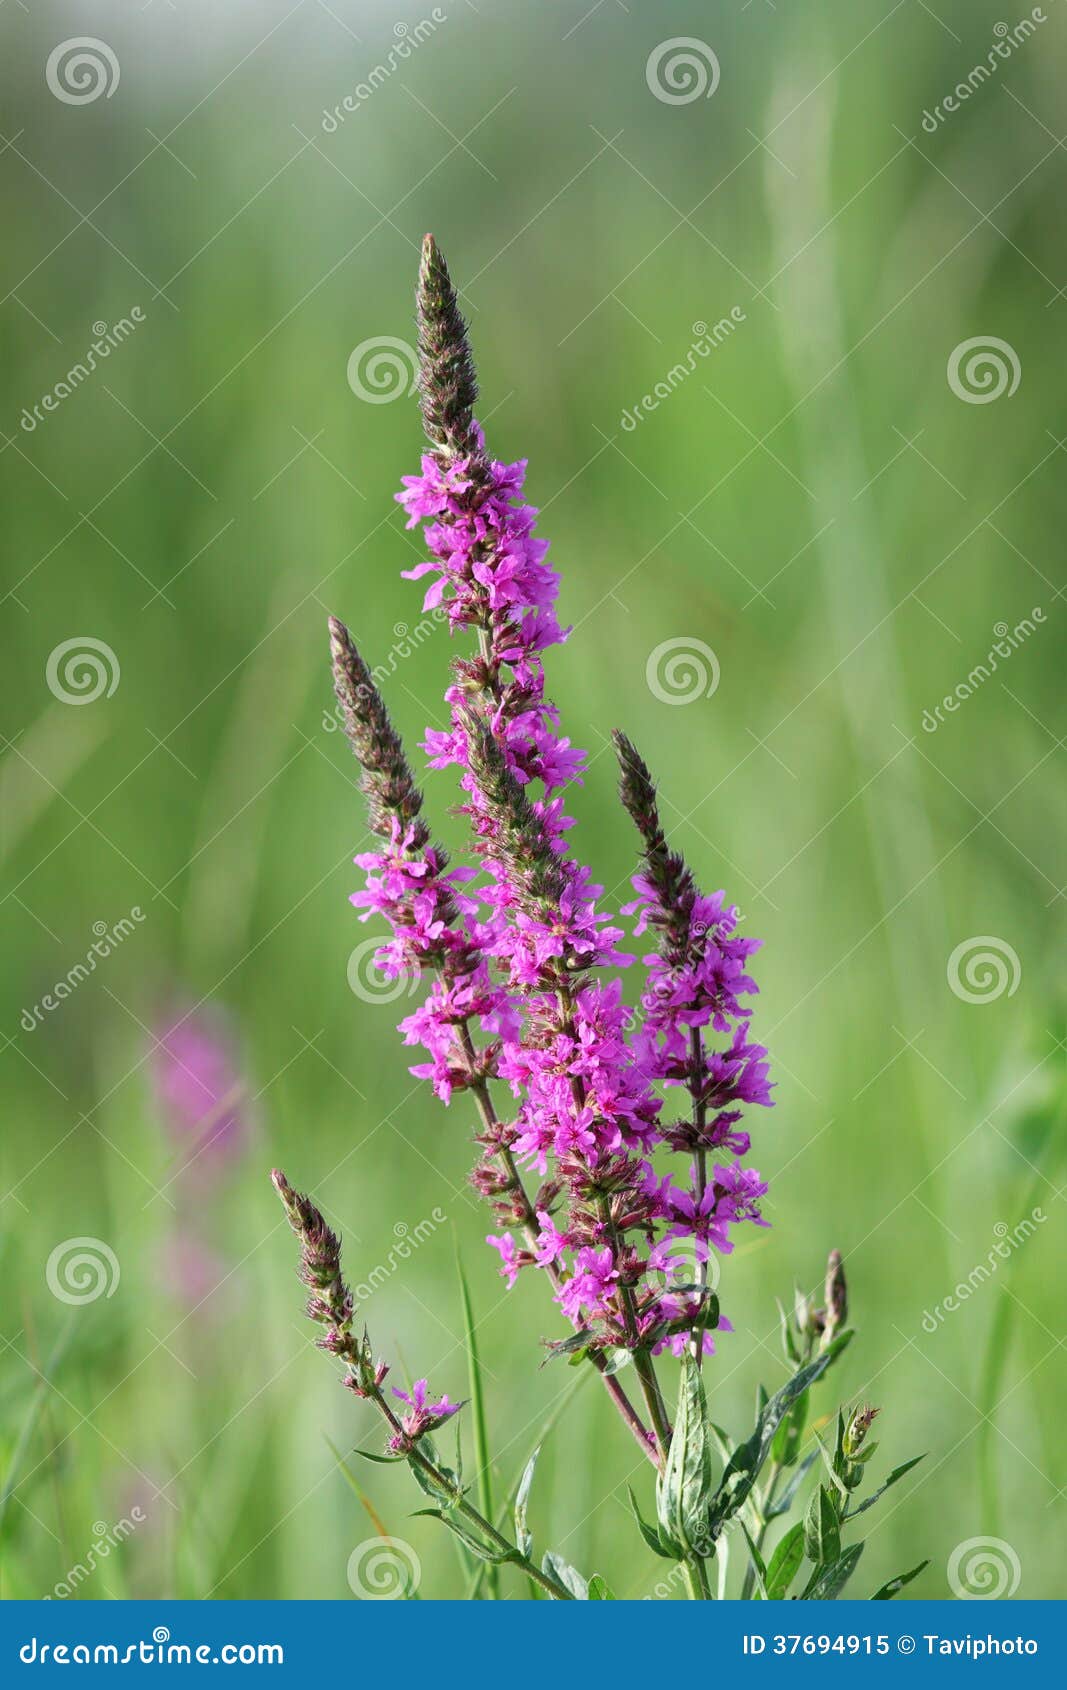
(814, 503)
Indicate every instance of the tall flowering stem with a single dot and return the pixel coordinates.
(434, 932)
(331, 1304)
(523, 967)
(589, 1100)
(697, 978)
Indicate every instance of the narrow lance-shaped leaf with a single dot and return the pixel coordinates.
(685, 1487)
(746, 1462)
(523, 1536)
(785, 1563)
(827, 1583)
(822, 1534)
(669, 1552)
(888, 1590)
(897, 1473)
(562, 1571)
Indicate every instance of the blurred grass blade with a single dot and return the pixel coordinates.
(563, 1402)
(33, 1415)
(481, 1438)
(357, 1490)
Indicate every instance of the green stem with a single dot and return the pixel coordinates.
(764, 1522)
(696, 1578)
(458, 1501)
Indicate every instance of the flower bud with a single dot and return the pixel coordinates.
(858, 1425)
(836, 1292)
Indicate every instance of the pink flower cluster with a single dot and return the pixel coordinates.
(520, 954)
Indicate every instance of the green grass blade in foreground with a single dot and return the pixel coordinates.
(481, 1436)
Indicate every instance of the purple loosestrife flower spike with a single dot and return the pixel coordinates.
(330, 1301)
(447, 385)
(387, 781)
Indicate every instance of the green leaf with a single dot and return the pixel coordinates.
(669, 1552)
(788, 1495)
(827, 1583)
(522, 1496)
(495, 1557)
(758, 1565)
(576, 1345)
(889, 1590)
(562, 1571)
(685, 1487)
(897, 1473)
(449, 1493)
(822, 1534)
(481, 1436)
(381, 1460)
(785, 1446)
(600, 1590)
(788, 1341)
(746, 1461)
(784, 1564)
(615, 1360)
